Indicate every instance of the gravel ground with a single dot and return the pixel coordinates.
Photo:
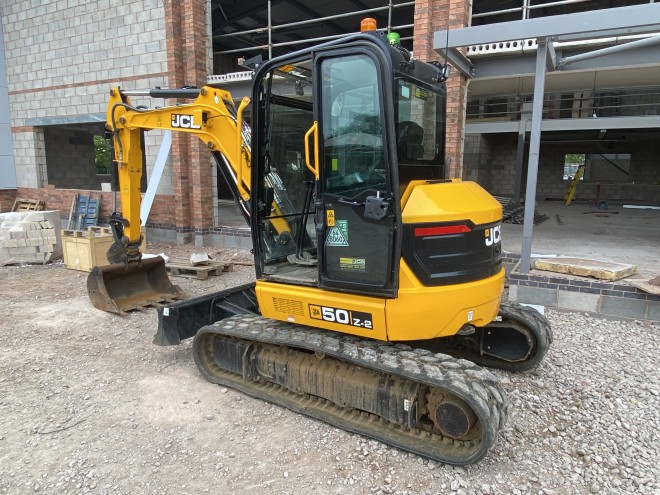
(89, 405)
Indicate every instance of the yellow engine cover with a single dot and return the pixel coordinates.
(421, 310)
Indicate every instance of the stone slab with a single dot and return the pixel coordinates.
(602, 270)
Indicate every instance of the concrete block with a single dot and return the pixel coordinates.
(18, 234)
(653, 310)
(198, 258)
(21, 242)
(536, 295)
(10, 243)
(34, 217)
(33, 234)
(578, 301)
(513, 293)
(33, 242)
(620, 306)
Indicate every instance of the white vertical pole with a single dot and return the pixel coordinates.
(156, 174)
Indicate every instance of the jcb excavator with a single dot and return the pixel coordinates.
(378, 282)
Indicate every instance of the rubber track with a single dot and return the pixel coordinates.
(475, 385)
(525, 315)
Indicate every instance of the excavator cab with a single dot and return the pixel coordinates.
(345, 137)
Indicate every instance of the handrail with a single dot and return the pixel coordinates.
(315, 168)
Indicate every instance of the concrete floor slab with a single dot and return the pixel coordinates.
(625, 236)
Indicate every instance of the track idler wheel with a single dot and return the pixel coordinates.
(516, 341)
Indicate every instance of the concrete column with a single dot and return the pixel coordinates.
(8, 168)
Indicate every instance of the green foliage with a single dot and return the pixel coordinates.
(574, 159)
(101, 155)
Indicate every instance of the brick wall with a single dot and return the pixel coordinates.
(74, 169)
(478, 159)
(433, 16)
(62, 58)
(61, 199)
(188, 63)
(7, 198)
(490, 160)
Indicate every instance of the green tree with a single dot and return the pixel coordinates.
(101, 155)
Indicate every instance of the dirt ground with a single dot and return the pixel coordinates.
(89, 405)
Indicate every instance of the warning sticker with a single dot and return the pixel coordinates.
(352, 264)
(338, 235)
(421, 93)
(330, 215)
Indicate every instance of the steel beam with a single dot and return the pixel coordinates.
(510, 65)
(533, 162)
(520, 154)
(458, 60)
(638, 19)
(588, 124)
(632, 45)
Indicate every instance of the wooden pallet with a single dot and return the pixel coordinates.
(183, 268)
(23, 204)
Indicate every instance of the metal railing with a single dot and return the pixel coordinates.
(569, 104)
(390, 7)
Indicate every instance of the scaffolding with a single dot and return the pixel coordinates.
(390, 7)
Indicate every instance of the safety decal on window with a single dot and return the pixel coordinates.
(338, 235)
(352, 264)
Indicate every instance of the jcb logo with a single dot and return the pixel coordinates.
(184, 121)
(493, 235)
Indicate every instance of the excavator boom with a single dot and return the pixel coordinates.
(129, 281)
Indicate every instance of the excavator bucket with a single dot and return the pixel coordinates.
(117, 289)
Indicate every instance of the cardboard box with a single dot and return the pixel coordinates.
(85, 249)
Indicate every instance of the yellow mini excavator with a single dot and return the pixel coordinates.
(378, 282)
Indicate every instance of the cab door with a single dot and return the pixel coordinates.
(356, 205)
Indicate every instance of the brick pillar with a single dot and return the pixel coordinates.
(431, 16)
(187, 52)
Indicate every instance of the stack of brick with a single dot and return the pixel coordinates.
(30, 237)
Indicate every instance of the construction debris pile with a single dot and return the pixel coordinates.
(514, 212)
